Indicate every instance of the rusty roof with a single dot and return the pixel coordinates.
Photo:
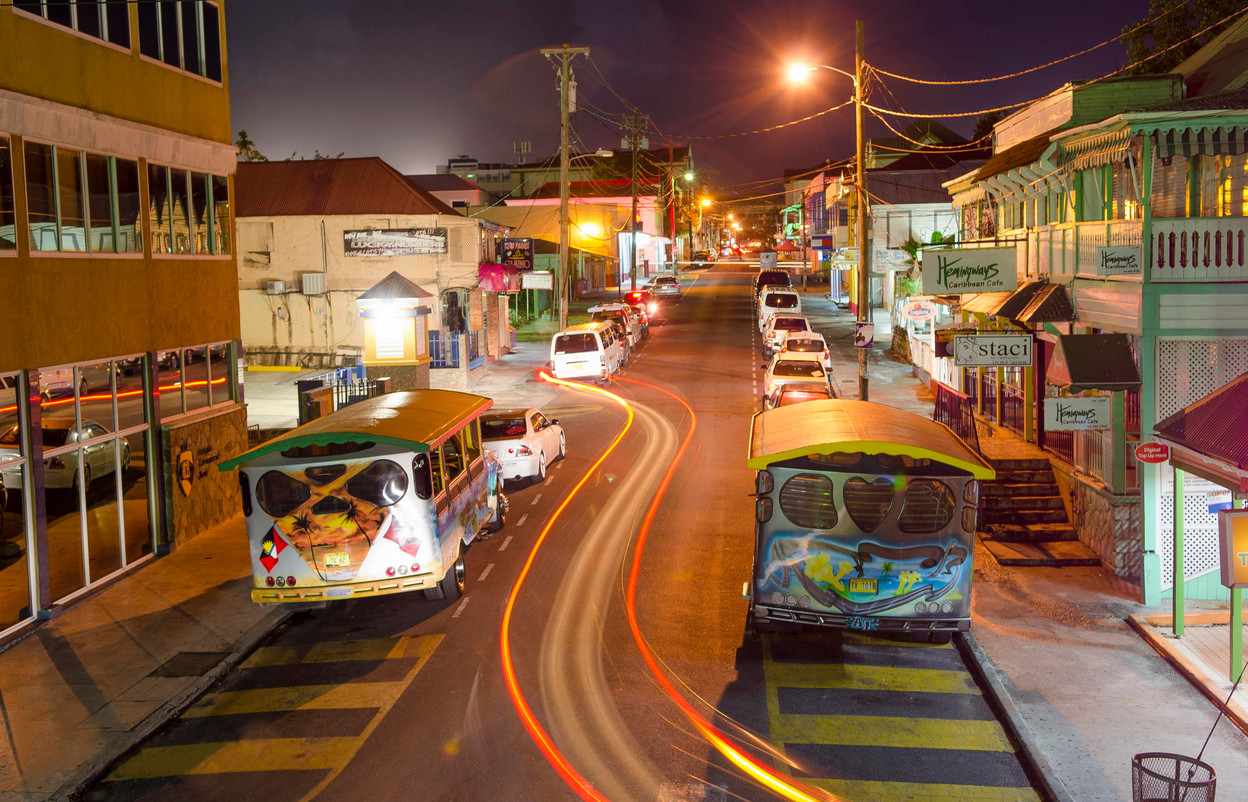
(1215, 426)
(324, 187)
(1020, 155)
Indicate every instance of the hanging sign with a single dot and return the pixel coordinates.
(864, 334)
(1152, 453)
(961, 271)
(394, 242)
(537, 280)
(1233, 538)
(1118, 261)
(1069, 414)
(992, 350)
(919, 311)
(517, 253)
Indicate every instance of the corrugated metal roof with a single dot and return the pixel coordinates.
(1093, 362)
(1224, 101)
(324, 187)
(1051, 304)
(441, 182)
(1215, 426)
(1024, 153)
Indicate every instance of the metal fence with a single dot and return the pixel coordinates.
(956, 411)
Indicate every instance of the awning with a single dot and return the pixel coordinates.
(1050, 304)
(1004, 304)
(1215, 427)
(1216, 141)
(1096, 151)
(986, 303)
(494, 277)
(1093, 362)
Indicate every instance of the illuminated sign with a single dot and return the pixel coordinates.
(1070, 414)
(517, 253)
(1233, 538)
(992, 350)
(394, 242)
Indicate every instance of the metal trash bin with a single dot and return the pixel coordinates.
(1163, 777)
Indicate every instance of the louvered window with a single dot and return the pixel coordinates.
(806, 500)
(927, 506)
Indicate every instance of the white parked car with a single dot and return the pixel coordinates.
(61, 472)
(795, 368)
(808, 342)
(524, 440)
(779, 328)
(623, 314)
(777, 301)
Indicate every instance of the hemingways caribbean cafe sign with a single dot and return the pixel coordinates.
(1068, 414)
(967, 270)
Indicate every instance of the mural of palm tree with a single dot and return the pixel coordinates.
(303, 524)
(355, 514)
(886, 570)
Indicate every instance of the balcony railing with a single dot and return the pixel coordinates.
(1200, 249)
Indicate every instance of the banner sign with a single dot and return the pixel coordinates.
(517, 253)
(537, 280)
(394, 242)
(958, 272)
(823, 242)
(992, 350)
(918, 311)
(1068, 414)
(1118, 261)
(1233, 538)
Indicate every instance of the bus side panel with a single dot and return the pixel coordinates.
(465, 515)
(843, 571)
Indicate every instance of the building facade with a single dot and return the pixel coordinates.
(117, 254)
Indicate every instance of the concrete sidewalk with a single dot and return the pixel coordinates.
(1082, 688)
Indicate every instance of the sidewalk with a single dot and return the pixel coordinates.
(1082, 688)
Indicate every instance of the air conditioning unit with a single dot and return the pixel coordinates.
(274, 287)
(312, 283)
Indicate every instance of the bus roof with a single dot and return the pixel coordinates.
(417, 420)
(843, 426)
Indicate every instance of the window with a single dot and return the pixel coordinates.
(472, 442)
(806, 500)
(158, 220)
(189, 212)
(220, 221)
(422, 479)
(185, 34)
(70, 200)
(108, 20)
(40, 197)
(453, 457)
(927, 506)
(435, 472)
(868, 503)
(8, 214)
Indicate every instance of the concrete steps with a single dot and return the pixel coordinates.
(1024, 520)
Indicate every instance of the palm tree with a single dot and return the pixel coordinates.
(886, 569)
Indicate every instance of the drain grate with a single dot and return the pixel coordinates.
(189, 664)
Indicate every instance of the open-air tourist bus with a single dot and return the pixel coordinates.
(382, 496)
(865, 519)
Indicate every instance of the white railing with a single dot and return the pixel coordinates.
(1091, 237)
(1200, 249)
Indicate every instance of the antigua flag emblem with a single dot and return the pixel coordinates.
(270, 547)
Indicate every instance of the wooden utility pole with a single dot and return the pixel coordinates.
(864, 217)
(566, 101)
(634, 137)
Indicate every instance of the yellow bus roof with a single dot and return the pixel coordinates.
(842, 426)
(417, 419)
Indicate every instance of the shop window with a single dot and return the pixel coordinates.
(806, 500)
(70, 200)
(100, 204)
(185, 34)
(927, 506)
(180, 209)
(107, 20)
(8, 214)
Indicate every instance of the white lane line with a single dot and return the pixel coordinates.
(506, 542)
(486, 572)
(549, 479)
(523, 518)
(461, 607)
(537, 498)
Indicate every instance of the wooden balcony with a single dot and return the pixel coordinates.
(1186, 249)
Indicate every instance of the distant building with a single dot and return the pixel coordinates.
(454, 191)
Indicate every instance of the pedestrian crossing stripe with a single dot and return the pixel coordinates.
(872, 678)
(921, 792)
(913, 733)
(330, 754)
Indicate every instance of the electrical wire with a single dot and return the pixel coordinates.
(769, 128)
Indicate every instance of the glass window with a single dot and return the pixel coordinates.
(117, 16)
(212, 41)
(927, 506)
(70, 200)
(190, 36)
(868, 502)
(169, 38)
(806, 500)
(422, 480)
(136, 521)
(60, 12)
(8, 212)
(30, 6)
(130, 411)
(180, 204)
(435, 471)
(453, 457)
(158, 220)
(40, 197)
(129, 229)
(382, 484)
(472, 442)
(100, 204)
(149, 29)
(89, 18)
(199, 213)
(195, 378)
(100, 468)
(218, 373)
(220, 214)
(97, 396)
(169, 383)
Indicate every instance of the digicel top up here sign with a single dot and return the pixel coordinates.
(968, 270)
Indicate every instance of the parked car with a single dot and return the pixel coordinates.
(623, 314)
(795, 368)
(645, 301)
(772, 301)
(524, 440)
(778, 330)
(586, 351)
(61, 472)
(796, 393)
(703, 258)
(665, 287)
(809, 342)
(778, 278)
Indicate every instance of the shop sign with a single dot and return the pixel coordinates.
(394, 242)
(1152, 453)
(968, 270)
(1118, 261)
(537, 280)
(864, 334)
(845, 258)
(992, 350)
(1233, 538)
(517, 253)
(1069, 414)
(823, 242)
(919, 311)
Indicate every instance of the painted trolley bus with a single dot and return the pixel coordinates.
(383, 496)
(865, 519)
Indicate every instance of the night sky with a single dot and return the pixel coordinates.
(417, 82)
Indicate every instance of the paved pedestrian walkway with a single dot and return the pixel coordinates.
(1084, 689)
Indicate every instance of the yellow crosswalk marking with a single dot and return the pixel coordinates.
(266, 656)
(873, 678)
(264, 754)
(339, 651)
(861, 791)
(912, 733)
(300, 697)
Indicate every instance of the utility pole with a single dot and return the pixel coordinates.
(566, 100)
(634, 133)
(864, 241)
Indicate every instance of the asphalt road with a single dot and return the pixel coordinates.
(623, 626)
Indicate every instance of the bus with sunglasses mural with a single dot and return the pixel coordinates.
(383, 496)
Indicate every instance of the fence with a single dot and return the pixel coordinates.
(956, 411)
(448, 353)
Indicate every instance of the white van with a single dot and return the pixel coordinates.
(777, 300)
(586, 351)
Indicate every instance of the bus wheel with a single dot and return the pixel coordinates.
(452, 585)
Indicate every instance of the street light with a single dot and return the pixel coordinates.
(799, 72)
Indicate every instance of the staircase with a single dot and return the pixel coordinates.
(1022, 519)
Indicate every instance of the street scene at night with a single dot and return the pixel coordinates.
(654, 402)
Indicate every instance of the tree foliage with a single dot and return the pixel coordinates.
(247, 149)
(1162, 32)
(983, 126)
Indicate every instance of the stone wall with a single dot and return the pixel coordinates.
(402, 377)
(1109, 525)
(197, 495)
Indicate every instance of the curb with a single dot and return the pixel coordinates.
(1016, 727)
(91, 771)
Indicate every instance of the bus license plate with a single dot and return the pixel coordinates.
(338, 559)
(863, 624)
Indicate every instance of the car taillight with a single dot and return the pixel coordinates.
(524, 451)
(771, 388)
(825, 351)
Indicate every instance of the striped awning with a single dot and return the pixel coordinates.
(1214, 141)
(1095, 151)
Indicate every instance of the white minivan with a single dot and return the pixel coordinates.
(777, 300)
(586, 351)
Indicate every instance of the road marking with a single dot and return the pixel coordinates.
(507, 540)
(536, 499)
(922, 792)
(302, 697)
(872, 678)
(486, 572)
(460, 609)
(549, 479)
(911, 733)
(520, 522)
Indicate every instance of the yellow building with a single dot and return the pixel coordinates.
(118, 387)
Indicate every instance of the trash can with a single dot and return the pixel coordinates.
(1163, 777)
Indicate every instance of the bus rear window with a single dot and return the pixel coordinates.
(806, 500)
(926, 507)
(575, 343)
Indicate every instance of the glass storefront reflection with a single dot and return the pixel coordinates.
(169, 383)
(137, 521)
(65, 564)
(196, 378)
(103, 529)
(15, 601)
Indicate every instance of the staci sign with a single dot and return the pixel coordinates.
(957, 272)
(1068, 414)
(992, 350)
